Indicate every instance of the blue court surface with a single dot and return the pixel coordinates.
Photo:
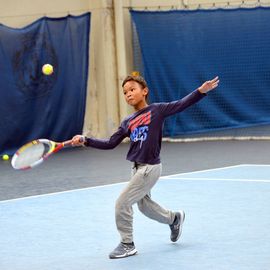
(226, 227)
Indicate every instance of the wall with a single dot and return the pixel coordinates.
(110, 47)
(102, 114)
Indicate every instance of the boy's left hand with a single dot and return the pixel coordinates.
(209, 85)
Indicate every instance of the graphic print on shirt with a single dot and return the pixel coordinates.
(139, 127)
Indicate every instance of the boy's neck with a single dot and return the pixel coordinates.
(140, 106)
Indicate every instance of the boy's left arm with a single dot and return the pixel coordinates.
(177, 106)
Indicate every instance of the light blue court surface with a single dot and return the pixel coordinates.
(226, 228)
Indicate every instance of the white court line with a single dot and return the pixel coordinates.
(207, 170)
(162, 177)
(256, 165)
(60, 192)
(219, 179)
(216, 169)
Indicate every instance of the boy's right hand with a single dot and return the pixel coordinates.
(78, 140)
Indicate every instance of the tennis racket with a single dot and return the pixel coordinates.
(35, 152)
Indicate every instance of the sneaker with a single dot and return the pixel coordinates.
(177, 226)
(123, 250)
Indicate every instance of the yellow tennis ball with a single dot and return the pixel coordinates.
(47, 69)
(5, 157)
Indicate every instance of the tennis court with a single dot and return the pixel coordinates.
(62, 73)
(226, 227)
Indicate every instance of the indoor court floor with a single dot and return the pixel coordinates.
(226, 227)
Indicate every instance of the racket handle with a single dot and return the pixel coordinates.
(67, 143)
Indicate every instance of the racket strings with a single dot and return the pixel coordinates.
(31, 154)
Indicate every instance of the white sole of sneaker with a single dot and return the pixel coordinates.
(131, 253)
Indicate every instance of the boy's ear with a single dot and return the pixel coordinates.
(145, 90)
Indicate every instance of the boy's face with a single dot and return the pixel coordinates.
(134, 93)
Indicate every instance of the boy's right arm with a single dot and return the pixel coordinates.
(112, 142)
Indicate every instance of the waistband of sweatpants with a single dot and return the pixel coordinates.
(138, 164)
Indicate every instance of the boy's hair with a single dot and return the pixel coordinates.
(138, 79)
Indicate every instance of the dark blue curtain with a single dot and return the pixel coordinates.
(33, 105)
(182, 49)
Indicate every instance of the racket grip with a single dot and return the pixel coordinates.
(66, 143)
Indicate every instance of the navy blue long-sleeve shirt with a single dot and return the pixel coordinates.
(144, 128)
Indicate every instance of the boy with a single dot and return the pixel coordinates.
(144, 128)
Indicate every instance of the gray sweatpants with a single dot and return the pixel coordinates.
(144, 177)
